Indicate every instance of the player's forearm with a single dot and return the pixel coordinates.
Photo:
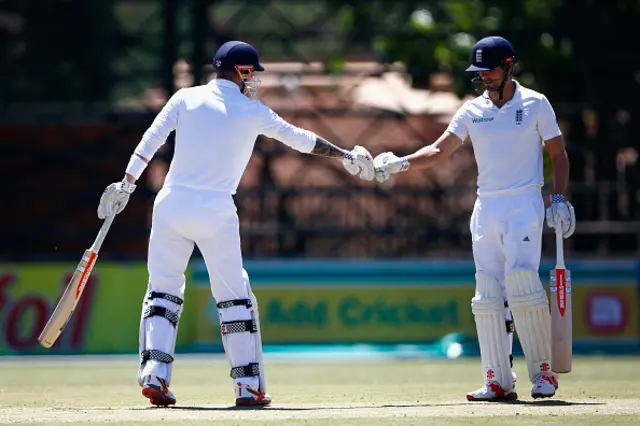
(425, 157)
(435, 153)
(325, 148)
(560, 164)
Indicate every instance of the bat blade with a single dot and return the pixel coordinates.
(561, 320)
(68, 301)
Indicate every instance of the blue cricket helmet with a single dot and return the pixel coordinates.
(233, 53)
(491, 52)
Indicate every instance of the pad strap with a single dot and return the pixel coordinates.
(157, 355)
(510, 326)
(239, 327)
(166, 296)
(250, 370)
(159, 311)
(237, 302)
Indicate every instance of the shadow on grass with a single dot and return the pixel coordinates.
(553, 403)
(547, 403)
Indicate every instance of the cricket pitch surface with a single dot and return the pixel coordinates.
(104, 391)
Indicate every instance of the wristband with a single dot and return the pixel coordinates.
(405, 165)
(557, 198)
(136, 166)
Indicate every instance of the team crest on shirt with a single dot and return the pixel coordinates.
(519, 116)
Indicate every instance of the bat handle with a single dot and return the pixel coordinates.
(559, 246)
(95, 247)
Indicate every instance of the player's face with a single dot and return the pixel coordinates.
(492, 79)
(250, 79)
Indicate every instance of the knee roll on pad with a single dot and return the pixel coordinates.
(522, 282)
(530, 310)
(486, 305)
(159, 330)
(529, 301)
(488, 286)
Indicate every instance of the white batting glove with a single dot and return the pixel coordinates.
(561, 212)
(359, 160)
(388, 163)
(115, 198)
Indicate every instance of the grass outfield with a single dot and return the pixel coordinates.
(600, 391)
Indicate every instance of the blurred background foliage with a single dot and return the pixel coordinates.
(571, 53)
(70, 63)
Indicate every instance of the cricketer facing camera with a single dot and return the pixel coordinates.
(216, 128)
(507, 125)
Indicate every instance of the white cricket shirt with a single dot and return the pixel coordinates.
(216, 129)
(507, 141)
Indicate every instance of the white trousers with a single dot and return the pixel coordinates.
(506, 231)
(184, 217)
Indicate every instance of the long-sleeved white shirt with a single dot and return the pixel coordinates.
(216, 129)
(507, 141)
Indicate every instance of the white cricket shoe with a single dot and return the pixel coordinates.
(248, 395)
(493, 392)
(545, 386)
(156, 389)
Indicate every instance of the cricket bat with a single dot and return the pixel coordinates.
(561, 321)
(69, 300)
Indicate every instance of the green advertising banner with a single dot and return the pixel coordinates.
(391, 302)
(406, 302)
(326, 314)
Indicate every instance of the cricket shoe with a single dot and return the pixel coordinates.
(156, 389)
(493, 392)
(545, 386)
(248, 395)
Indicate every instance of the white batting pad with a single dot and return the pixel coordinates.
(241, 338)
(488, 310)
(240, 347)
(530, 309)
(158, 333)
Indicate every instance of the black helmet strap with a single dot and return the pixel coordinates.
(507, 74)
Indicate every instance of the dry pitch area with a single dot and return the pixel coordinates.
(602, 391)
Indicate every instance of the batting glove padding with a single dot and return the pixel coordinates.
(561, 212)
(388, 163)
(115, 198)
(359, 160)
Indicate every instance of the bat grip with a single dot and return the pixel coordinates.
(559, 245)
(95, 247)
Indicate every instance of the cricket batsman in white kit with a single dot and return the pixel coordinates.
(216, 128)
(507, 125)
